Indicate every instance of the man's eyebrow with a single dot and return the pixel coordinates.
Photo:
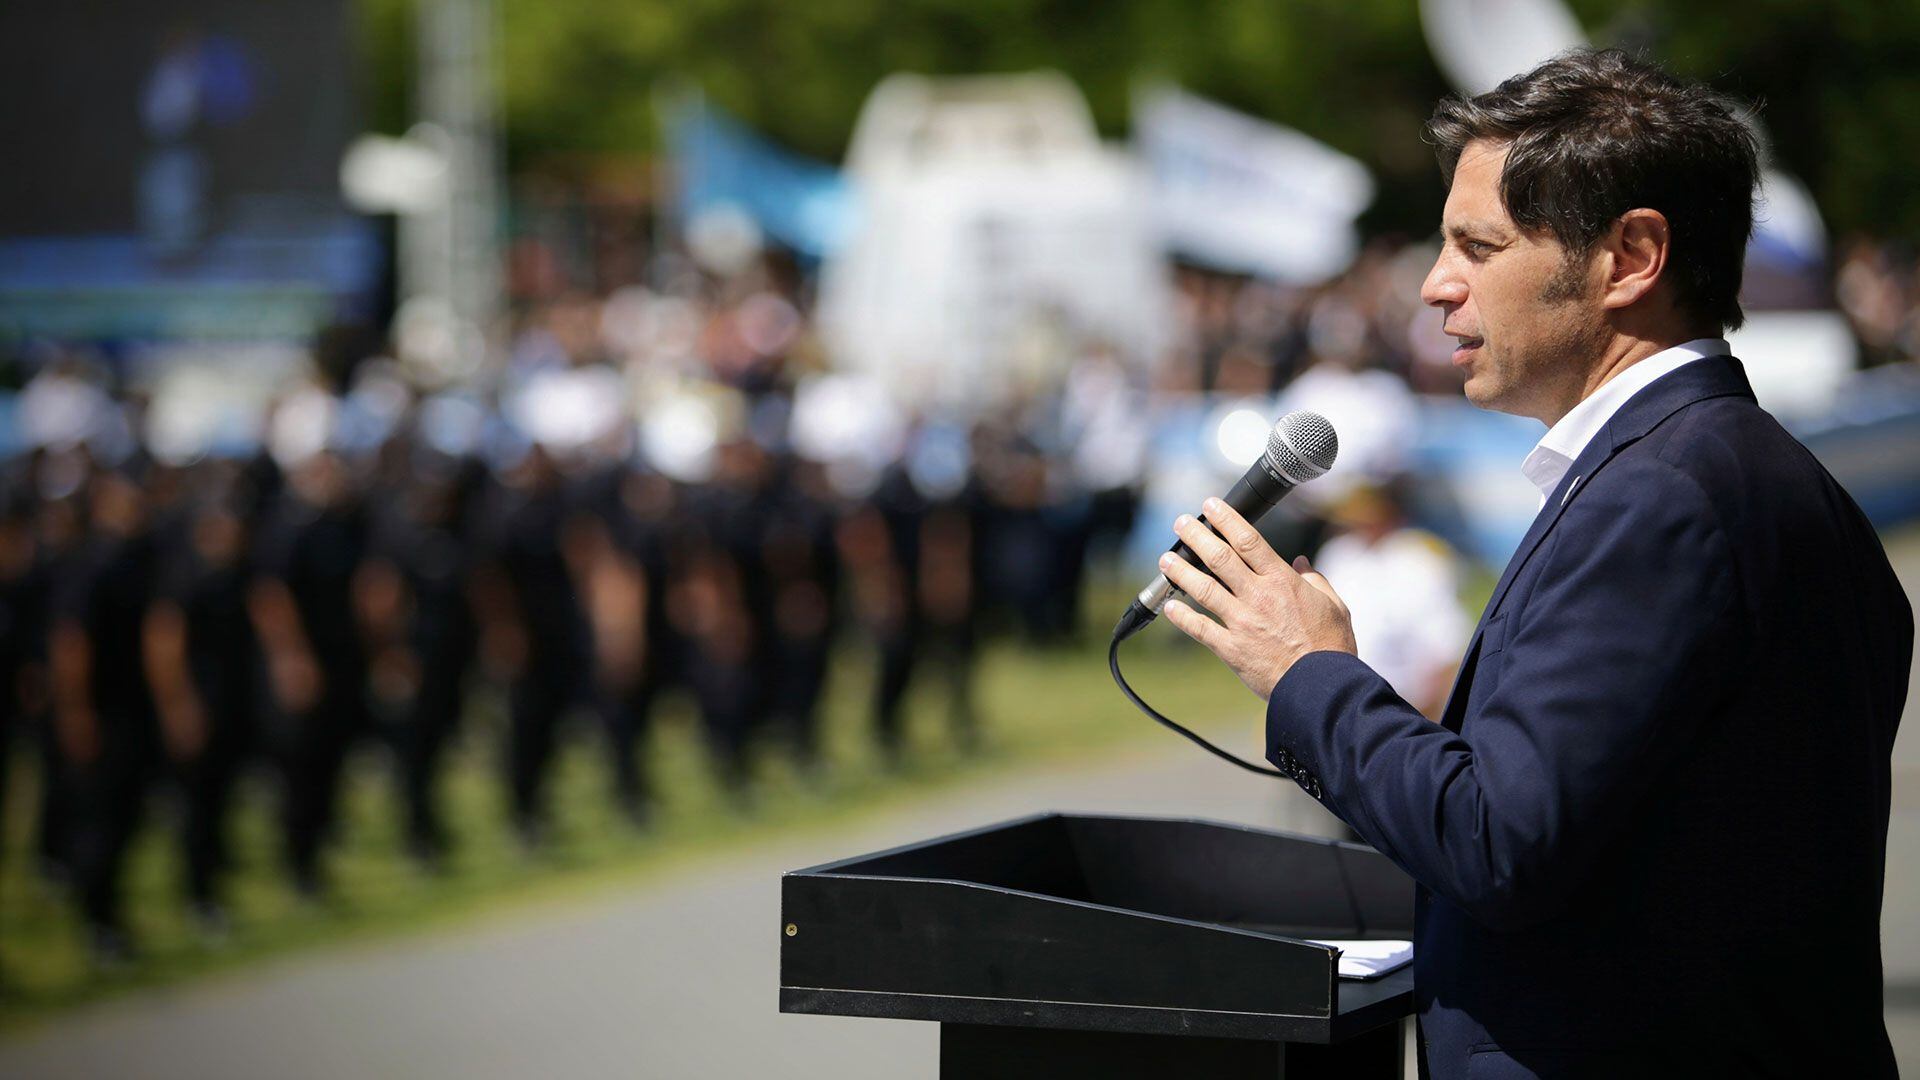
(1461, 230)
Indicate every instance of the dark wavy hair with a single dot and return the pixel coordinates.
(1593, 133)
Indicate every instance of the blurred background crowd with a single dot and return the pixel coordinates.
(314, 441)
(667, 492)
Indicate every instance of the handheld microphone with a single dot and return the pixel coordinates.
(1301, 447)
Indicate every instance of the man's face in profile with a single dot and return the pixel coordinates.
(1527, 320)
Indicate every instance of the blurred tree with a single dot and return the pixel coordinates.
(1838, 78)
(1837, 82)
(385, 30)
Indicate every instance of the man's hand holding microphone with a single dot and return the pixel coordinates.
(1271, 613)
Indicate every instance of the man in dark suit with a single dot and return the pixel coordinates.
(1649, 832)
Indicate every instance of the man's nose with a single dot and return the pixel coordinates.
(1443, 285)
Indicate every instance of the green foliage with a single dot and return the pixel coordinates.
(1838, 84)
(1837, 77)
(577, 76)
(386, 41)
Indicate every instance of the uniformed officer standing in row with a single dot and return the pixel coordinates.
(618, 550)
(22, 627)
(302, 601)
(534, 628)
(418, 607)
(103, 708)
(202, 661)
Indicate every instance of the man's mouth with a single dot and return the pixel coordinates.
(1465, 348)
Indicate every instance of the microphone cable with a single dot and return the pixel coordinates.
(1130, 623)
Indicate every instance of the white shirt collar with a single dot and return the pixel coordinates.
(1563, 442)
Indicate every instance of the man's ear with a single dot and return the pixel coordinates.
(1636, 255)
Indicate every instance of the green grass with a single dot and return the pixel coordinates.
(1037, 706)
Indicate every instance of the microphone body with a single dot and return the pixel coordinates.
(1302, 446)
(1251, 497)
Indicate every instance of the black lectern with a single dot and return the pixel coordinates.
(1066, 945)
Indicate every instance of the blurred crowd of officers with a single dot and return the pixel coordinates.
(174, 614)
(170, 625)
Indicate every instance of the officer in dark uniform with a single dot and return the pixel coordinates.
(912, 550)
(59, 544)
(102, 705)
(620, 553)
(1021, 533)
(420, 566)
(802, 570)
(23, 612)
(718, 600)
(900, 511)
(203, 664)
(882, 593)
(535, 627)
(302, 602)
(949, 601)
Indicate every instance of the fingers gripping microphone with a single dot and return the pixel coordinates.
(1301, 447)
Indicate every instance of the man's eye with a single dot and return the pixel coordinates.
(1476, 248)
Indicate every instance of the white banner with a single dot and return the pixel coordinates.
(1242, 194)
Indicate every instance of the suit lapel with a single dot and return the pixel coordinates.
(1709, 377)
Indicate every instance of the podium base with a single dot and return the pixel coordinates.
(993, 1052)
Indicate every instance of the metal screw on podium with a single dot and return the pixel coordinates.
(792, 929)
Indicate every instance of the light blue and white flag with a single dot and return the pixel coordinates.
(725, 166)
(1238, 193)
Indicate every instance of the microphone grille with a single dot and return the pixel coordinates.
(1302, 446)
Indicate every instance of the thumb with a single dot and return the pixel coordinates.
(1318, 580)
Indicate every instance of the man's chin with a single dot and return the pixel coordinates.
(1483, 393)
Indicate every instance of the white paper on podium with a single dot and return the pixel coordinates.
(1370, 959)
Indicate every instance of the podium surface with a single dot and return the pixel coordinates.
(1185, 938)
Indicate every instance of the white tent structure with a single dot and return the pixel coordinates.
(997, 232)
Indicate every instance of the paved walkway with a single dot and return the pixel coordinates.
(678, 978)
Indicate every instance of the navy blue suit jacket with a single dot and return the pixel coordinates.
(1649, 835)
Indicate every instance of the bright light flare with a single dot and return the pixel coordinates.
(1242, 436)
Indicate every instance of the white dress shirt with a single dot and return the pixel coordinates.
(1557, 449)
